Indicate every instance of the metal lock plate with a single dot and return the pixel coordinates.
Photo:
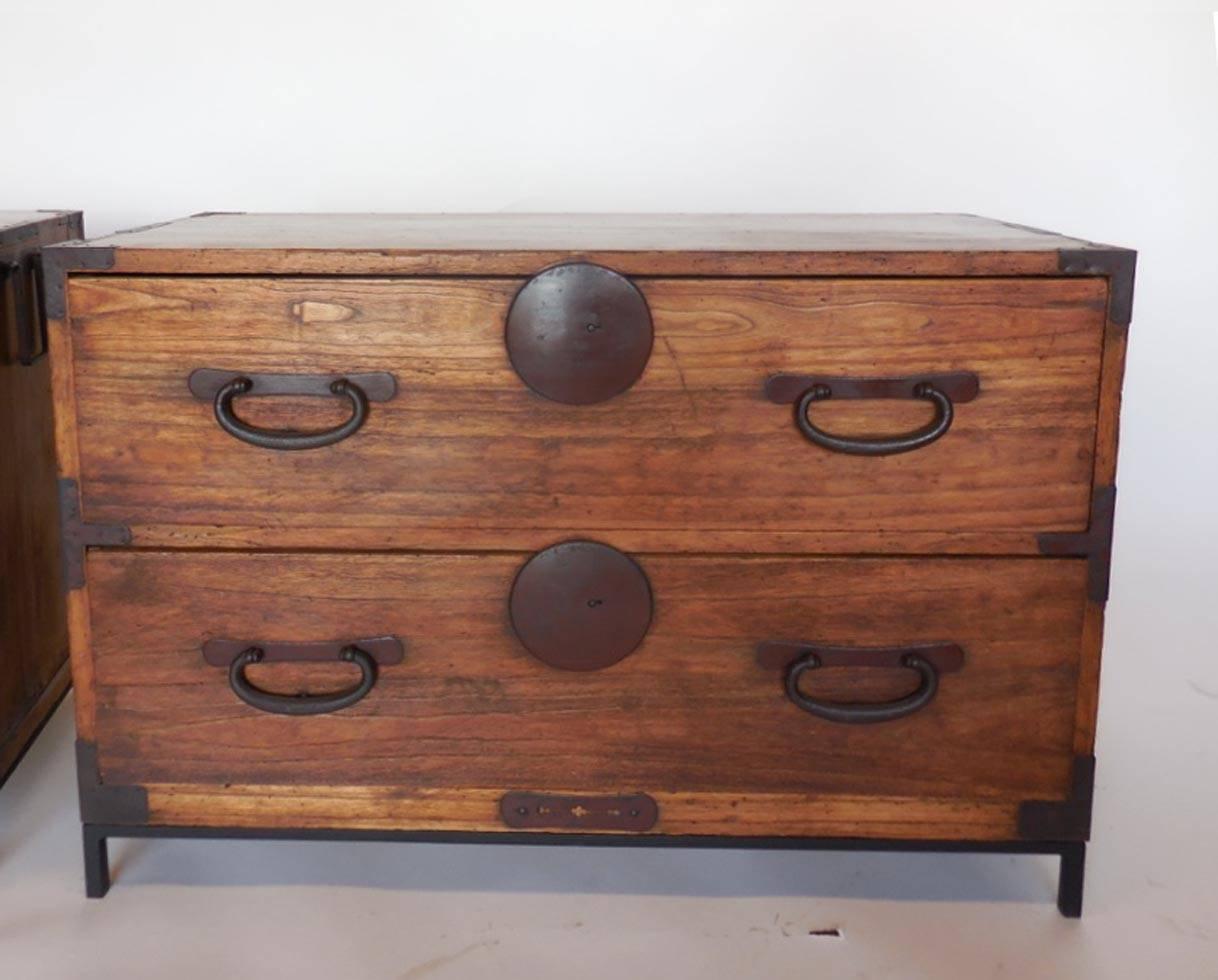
(581, 605)
(549, 811)
(579, 333)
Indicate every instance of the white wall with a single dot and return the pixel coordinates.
(1097, 120)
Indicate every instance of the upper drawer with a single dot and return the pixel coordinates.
(692, 456)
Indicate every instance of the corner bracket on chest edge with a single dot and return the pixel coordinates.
(99, 803)
(1062, 820)
(76, 535)
(1094, 544)
(58, 261)
(1117, 264)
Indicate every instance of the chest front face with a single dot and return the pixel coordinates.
(775, 528)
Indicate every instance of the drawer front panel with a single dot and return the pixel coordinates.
(691, 710)
(693, 448)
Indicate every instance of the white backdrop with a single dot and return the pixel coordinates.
(1098, 120)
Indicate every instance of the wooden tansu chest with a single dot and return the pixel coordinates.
(773, 530)
(33, 634)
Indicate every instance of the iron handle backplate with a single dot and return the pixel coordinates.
(942, 390)
(929, 661)
(301, 704)
(224, 387)
(23, 279)
(221, 651)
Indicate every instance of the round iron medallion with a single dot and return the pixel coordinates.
(579, 333)
(580, 605)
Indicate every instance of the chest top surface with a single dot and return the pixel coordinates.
(638, 244)
(611, 232)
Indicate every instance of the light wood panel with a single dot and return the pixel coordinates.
(1112, 374)
(476, 809)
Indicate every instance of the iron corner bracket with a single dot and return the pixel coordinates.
(100, 803)
(58, 261)
(1062, 820)
(1117, 264)
(76, 535)
(1094, 544)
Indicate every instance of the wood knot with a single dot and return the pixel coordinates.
(311, 311)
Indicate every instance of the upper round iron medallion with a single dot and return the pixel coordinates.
(579, 333)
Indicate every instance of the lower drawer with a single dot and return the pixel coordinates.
(690, 717)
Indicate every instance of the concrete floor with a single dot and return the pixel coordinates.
(223, 909)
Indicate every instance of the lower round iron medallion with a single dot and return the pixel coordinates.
(580, 605)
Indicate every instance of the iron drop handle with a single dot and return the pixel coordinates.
(301, 704)
(855, 713)
(876, 446)
(222, 387)
(942, 390)
(929, 660)
(286, 439)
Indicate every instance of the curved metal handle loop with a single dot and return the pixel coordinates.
(286, 439)
(879, 446)
(855, 713)
(301, 704)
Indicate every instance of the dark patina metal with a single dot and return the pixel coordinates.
(861, 713)
(959, 386)
(101, 802)
(75, 535)
(302, 704)
(579, 333)
(1094, 544)
(1117, 264)
(935, 388)
(206, 383)
(20, 281)
(1069, 887)
(224, 387)
(799, 659)
(60, 260)
(1068, 819)
(385, 650)
(632, 812)
(580, 605)
(778, 655)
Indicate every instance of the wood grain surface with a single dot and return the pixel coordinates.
(656, 244)
(33, 635)
(477, 809)
(691, 458)
(689, 712)
(762, 233)
(1112, 374)
(466, 472)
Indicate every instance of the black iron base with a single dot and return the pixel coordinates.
(1069, 882)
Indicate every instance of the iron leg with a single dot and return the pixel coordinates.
(1070, 880)
(97, 862)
